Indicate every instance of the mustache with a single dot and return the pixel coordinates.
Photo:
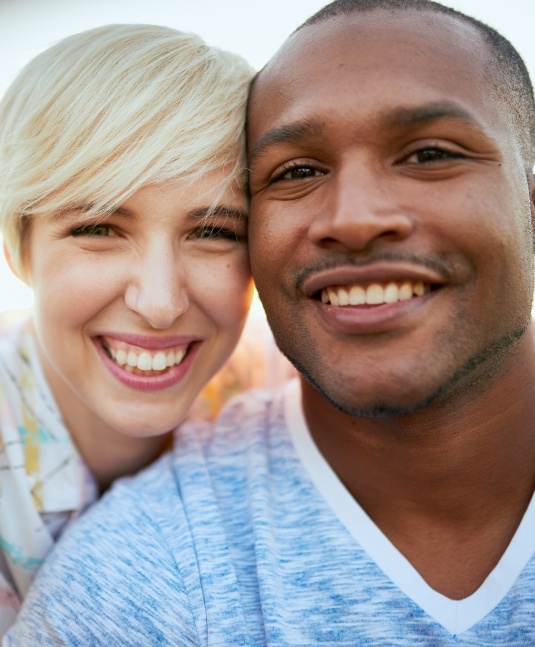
(336, 260)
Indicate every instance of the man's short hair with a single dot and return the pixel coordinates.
(507, 72)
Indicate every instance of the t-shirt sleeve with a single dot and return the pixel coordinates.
(112, 580)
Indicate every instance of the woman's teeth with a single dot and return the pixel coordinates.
(374, 293)
(145, 362)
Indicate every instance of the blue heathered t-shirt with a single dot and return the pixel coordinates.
(243, 536)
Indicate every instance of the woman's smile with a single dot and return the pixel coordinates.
(169, 305)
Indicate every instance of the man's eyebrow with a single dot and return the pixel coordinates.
(218, 210)
(287, 134)
(402, 116)
(421, 115)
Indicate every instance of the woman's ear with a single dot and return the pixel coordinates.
(19, 273)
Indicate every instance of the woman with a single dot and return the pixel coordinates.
(122, 207)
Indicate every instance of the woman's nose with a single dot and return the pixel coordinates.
(157, 288)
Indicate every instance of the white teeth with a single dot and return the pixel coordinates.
(333, 297)
(159, 362)
(405, 291)
(374, 293)
(391, 293)
(120, 357)
(145, 361)
(357, 295)
(343, 297)
(419, 289)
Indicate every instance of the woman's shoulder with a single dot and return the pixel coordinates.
(12, 321)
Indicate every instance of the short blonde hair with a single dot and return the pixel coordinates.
(104, 112)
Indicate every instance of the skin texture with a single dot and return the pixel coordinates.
(379, 155)
(154, 268)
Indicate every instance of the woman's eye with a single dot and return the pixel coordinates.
(92, 230)
(297, 173)
(209, 232)
(431, 155)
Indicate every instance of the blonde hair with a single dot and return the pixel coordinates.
(104, 112)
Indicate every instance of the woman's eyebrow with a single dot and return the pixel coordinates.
(218, 210)
(84, 209)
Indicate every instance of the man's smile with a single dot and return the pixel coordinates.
(373, 293)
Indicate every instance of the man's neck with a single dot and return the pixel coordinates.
(448, 484)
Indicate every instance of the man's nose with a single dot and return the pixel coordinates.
(361, 206)
(157, 288)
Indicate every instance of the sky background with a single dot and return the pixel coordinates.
(253, 28)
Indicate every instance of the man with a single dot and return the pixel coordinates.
(391, 234)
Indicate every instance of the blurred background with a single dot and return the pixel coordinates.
(253, 28)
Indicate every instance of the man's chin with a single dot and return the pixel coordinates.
(402, 398)
(378, 407)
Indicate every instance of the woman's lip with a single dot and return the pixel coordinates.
(150, 342)
(149, 383)
(377, 273)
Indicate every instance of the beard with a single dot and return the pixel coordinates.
(473, 376)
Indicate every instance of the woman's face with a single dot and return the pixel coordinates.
(136, 312)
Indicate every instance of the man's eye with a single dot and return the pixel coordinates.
(296, 173)
(431, 155)
(92, 230)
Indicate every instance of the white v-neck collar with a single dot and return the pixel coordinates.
(456, 616)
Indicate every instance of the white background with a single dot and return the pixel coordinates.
(253, 28)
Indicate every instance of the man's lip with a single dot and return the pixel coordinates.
(384, 273)
(372, 319)
(150, 341)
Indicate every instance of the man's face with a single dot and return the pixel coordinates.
(390, 234)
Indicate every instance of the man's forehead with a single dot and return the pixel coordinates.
(315, 47)
(347, 55)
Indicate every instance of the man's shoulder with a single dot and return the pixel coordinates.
(250, 406)
(245, 423)
(114, 572)
(202, 452)
(131, 500)
(210, 462)
(146, 493)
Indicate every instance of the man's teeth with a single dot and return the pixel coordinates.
(146, 361)
(374, 293)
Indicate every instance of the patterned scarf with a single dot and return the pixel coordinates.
(43, 481)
